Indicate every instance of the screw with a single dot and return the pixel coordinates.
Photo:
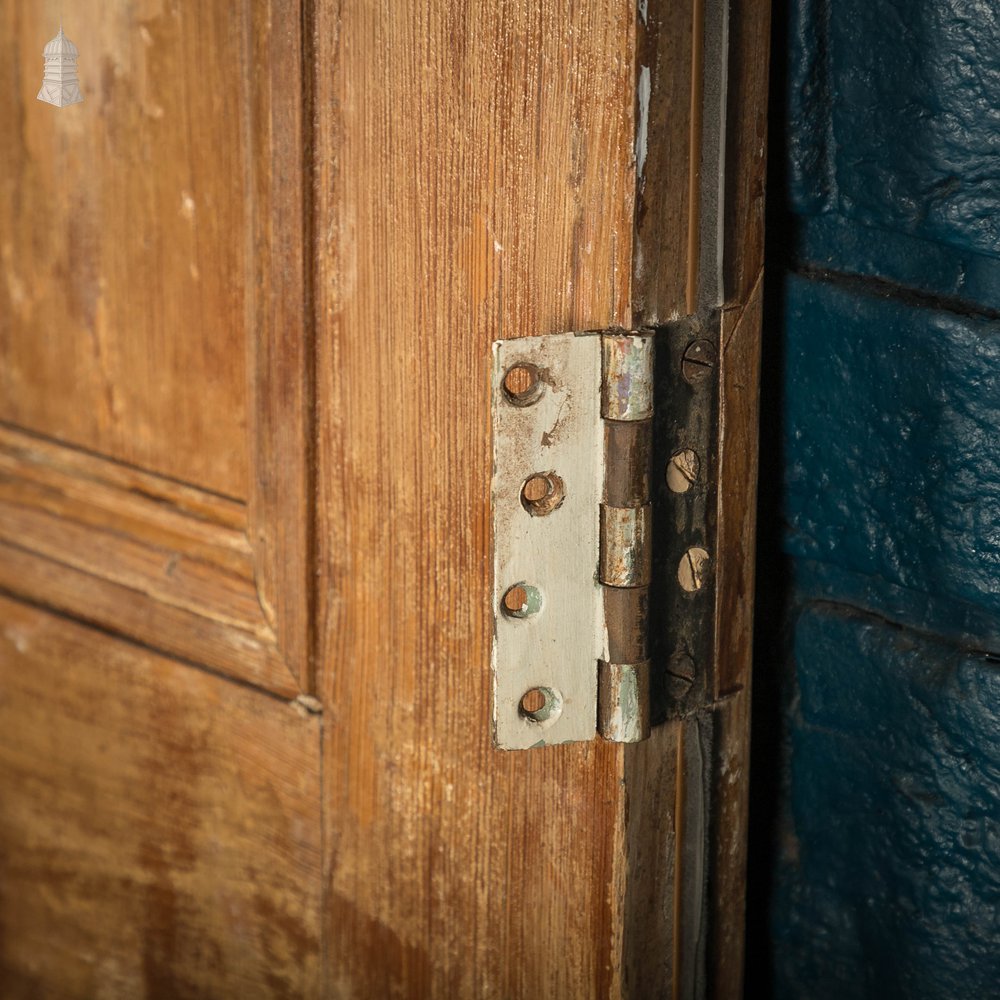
(681, 666)
(521, 601)
(682, 471)
(542, 493)
(698, 360)
(691, 572)
(680, 675)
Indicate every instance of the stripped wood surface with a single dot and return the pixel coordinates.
(279, 329)
(188, 374)
(160, 832)
(740, 385)
(664, 268)
(746, 147)
(244, 421)
(125, 270)
(743, 351)
(163, 563)
(475, 179)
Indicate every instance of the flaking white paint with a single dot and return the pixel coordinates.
(642, 125)
(558, 647)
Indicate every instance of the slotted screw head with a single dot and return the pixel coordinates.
(698, 360)
(682, 470)
(693, 569)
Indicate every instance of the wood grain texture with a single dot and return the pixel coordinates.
(650, 924)
(159, 835)
(746, 147)
(746, 164)
(124, 250)
(279, 330)
(664, 279)
(474, 181)
(734, 600)
(663, 265)
(193, 359)
(739, 379)
(166, 564)
(728, 848)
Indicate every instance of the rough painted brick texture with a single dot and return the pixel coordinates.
(893, 114)
(887, 882)
(892, 448)
(892, 851)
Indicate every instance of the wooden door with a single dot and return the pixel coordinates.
(249, 287)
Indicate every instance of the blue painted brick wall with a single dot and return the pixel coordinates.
(885, 278)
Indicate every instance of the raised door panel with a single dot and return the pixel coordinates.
(154, 385)
(160, 827)
(126, 242)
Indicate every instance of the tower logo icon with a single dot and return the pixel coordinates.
(60, 85)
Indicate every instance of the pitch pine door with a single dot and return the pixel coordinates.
(248, 291)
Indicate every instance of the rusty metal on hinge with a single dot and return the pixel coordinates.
(682, 598)
(623, 709)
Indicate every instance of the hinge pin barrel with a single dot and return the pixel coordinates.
(623, 701)
(623, 712)
(626, 534)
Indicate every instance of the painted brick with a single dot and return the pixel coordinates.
(892, 452)
(890, 866)
(893, 118)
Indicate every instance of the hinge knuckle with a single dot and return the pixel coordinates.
(626, 552)
(627, 382)
(623, 700)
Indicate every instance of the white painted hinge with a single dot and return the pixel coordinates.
(572, 431)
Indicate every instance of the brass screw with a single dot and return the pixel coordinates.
(682, 470)
(698, 360)
(542, 493)
(692, 570)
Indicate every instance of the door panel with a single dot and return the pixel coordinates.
(159, 827)
(152, 313)
(244, 497)
(126, 239)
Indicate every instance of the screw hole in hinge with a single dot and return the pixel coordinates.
(681, 674)
(540, 704)
(521, 601)
(522, 384)
(542, 493)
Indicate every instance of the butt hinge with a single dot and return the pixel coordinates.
(572, 537)
(686, 438)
